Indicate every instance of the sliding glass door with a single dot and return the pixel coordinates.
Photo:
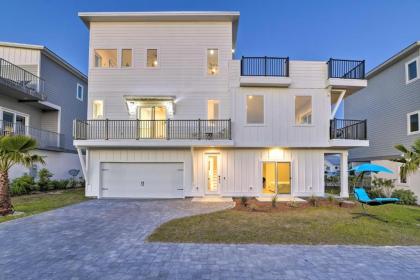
(276, 178)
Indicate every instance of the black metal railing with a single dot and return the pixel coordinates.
(152, 129)
(44, 138)
(346, 69)
(20, 79)
(265, 66)
(348, 129)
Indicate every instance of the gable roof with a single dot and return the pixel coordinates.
(216, 16)
(50, 54)
(393, 59)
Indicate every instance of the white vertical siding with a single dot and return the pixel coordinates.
(241, 170)
(27, 58)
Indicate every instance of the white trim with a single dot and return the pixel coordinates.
(219, 169)
(416, 60)
(14, 112)
(339, 100)
(77, 92)
(409, 132)
(264, 110)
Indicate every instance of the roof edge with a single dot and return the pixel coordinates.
(49, 53)
(393, 59)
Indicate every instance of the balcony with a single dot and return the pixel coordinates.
(46, 140)
(348, 129)
(144, 130)
(265, 71)
(19, 83)
(346, 74)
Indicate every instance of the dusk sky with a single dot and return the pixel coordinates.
(308, 30)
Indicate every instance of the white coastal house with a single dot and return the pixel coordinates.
(173, 114)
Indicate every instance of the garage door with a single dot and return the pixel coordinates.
(142, 180)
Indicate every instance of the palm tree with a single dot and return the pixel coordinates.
(14, 150)
(410, 159)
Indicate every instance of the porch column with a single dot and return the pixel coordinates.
(344, 175)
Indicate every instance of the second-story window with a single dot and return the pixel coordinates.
(79, 92)
(98, 109)
(105, 58)
(152, 58)
(126, 58)
(413, 122)
(213, 109)
(411, 70)
(303, 110)
(212, 61)
(255, 109)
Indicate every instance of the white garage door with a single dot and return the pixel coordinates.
(142, 180)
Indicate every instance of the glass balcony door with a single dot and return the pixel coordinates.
(276, 178)
(153, 122)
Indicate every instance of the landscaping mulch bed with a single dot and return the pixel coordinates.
(255, 205)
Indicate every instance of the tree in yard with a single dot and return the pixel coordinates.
(410, 159)
(14, 150)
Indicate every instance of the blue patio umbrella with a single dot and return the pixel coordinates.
(368, 167)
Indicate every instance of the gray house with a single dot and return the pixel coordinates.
(391, 104)
(40, 95)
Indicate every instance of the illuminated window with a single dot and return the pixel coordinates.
(126, 58)
(106, 58)
(98, 109)
(152, 58)
(255, 109)
(212, 61)
(213, 109)
(303, 110)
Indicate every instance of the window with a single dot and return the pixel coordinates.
(126, 58)
(212, 61)
(105, 58)
(152, 58)
(303, 110)
(79, 92)
(12, 122)
(413, 122)
(255, 109)
(411, 69)
(98, 109)
(213, 109)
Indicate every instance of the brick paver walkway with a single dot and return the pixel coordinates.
(104, 239)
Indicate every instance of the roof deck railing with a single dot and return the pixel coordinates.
(265, 66)
(22, 80)
(346, 69)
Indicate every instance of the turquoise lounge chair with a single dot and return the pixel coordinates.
(362, 196)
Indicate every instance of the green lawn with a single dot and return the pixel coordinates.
(313, 225)
(37, 203)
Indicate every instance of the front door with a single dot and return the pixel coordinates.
(152, 122)
(212, 173)
(276, 178)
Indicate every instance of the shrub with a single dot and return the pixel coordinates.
(313, 201)
(375, 192)
(244, 201)
(406, 197)
(386, 185)
(71, 183)
(331, 199)
(44, 181)
(58, 184)
(274, 201)
(22, 185)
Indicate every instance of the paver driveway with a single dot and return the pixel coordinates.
(104, 239)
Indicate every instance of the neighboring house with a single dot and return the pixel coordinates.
(391, 104)
(171, 113)
(40, 95)
(332, 165)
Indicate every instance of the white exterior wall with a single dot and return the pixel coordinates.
(413, 180)
(22, 57)
(96, 156)
(181, 71)
(57, 163)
